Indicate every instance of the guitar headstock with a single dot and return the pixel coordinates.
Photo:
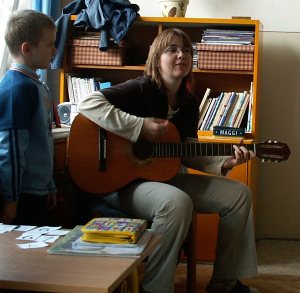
(272, 151)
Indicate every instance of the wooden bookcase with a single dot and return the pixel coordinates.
(140, 37)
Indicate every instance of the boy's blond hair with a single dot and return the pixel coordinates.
(26, 26)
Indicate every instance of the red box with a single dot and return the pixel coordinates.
(85, 51)
(225, 57)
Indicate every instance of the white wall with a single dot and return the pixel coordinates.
(276, 15)
(278, 199)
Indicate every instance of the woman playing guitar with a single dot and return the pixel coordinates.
(143, 109)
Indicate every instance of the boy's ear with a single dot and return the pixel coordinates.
(25, 49)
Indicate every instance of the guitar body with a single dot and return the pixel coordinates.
(121, 166)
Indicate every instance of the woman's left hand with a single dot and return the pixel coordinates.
(241, 156)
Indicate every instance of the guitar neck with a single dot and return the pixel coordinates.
(186, 149)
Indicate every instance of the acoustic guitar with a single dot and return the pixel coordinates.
(102, 162)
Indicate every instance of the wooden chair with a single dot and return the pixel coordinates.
(132, 282)
(190, 251)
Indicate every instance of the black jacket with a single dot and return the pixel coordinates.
(142, 97)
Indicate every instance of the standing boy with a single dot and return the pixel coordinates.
(27, 188)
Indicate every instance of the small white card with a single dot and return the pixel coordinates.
(41, 236)
(47, 238)
(59, 232)
(7, 228)
(24, 228)
(32, 245)
(42, 230)
(28, 237)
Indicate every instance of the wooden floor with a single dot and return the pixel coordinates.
(265, 283)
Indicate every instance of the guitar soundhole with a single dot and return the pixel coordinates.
(142, 149)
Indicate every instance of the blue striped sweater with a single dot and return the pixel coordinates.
(26, 142)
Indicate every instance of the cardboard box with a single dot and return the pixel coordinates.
(225, 57)
(85, 51)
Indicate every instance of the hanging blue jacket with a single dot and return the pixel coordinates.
(112, 17)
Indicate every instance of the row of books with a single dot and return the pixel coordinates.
(226, 109)
(226, 36)
(79, 87)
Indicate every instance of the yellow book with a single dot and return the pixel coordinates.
(113, 230)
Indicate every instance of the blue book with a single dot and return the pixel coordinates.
(227, 109)
(104, 85)
(236, 109)
(214, 111)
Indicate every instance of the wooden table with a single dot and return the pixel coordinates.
(37, 270)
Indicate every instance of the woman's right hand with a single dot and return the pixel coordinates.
(153, 128)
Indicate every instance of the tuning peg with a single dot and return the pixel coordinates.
(262, 160)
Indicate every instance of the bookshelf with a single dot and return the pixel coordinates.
(140, 37)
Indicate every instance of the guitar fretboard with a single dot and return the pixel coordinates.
(185, 149)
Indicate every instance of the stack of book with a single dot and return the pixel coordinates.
(106, 237)
(114, 230)
(226, 36)
(225, 49)
(226, 109)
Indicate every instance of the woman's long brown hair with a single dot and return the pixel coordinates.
(160, 43)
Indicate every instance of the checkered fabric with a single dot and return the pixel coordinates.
(86, 52)
(225, 57)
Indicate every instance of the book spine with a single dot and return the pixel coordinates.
(237, 108)
(222, 107)
(70, 89)
(249, 118)
(212, 111)
(230, 102)
(211, 104)
(204, 99)
(203, 112)
(215, 110)
(75, 89)
(242, 111)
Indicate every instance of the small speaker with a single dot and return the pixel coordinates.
(64, 112)
(67, 111)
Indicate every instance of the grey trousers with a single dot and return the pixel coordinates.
(169, 206)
